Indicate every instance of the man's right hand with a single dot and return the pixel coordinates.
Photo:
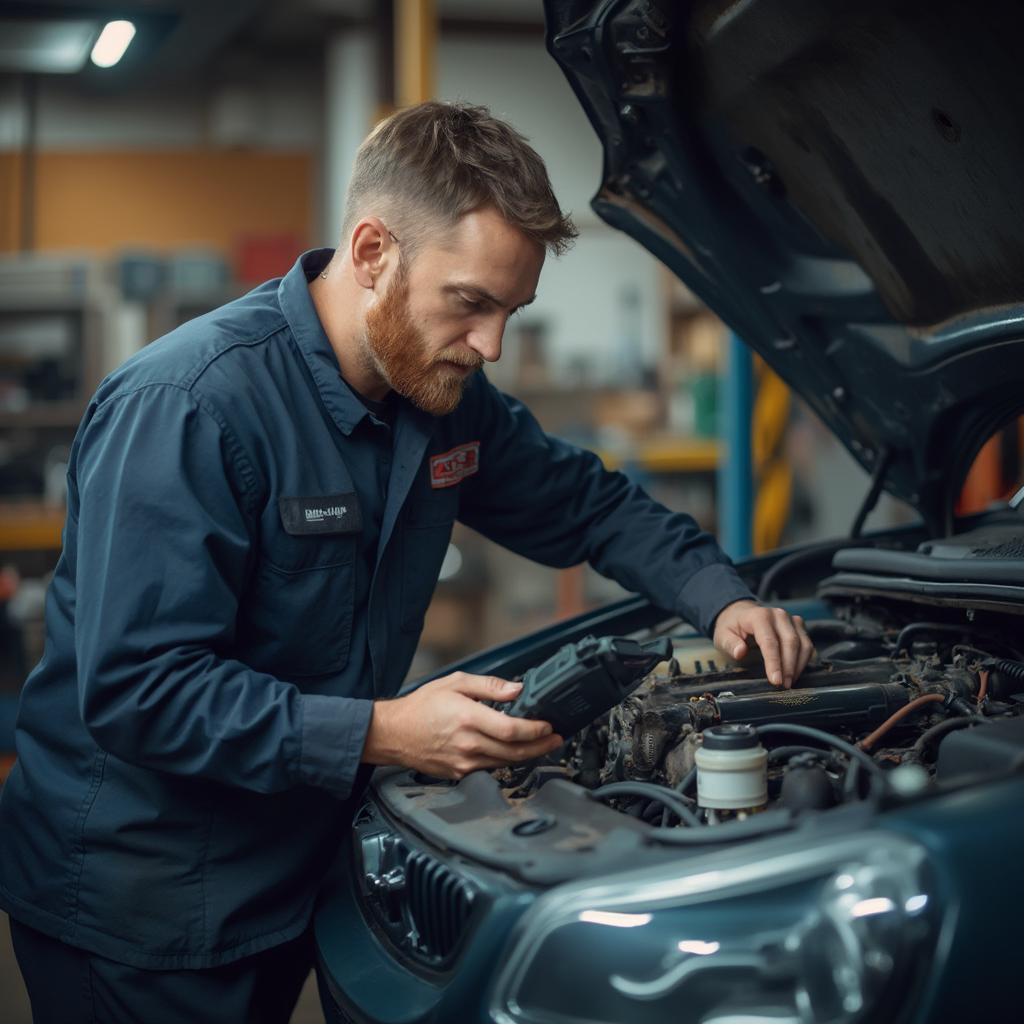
(442, 729)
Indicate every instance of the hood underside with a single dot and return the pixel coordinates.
(840, 183)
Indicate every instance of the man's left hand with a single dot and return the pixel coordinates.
(784, 643)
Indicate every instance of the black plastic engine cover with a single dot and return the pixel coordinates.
(995, 747)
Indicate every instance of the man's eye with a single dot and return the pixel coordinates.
(474, 304)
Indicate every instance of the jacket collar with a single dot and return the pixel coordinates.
(413, 427)
(341, 403)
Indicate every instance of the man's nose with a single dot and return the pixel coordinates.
(485, 339)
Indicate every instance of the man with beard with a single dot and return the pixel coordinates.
(258, 508)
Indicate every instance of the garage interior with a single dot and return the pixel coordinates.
(138, 196)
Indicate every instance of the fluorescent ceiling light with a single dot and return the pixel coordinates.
(112, 43)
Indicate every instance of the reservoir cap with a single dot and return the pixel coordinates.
(736, 736)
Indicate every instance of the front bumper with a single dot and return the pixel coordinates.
(973, 837)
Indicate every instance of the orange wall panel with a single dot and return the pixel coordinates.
(10, 200)
(103, 201)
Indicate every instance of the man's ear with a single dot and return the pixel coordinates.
(371, 250)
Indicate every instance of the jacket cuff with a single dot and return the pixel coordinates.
(707, 592)
(333, 733)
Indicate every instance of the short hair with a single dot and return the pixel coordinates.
(435, 162)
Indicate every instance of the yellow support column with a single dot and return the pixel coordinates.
(772, 475)
(415, 51)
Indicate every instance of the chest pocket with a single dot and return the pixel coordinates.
(297, 620)
(429, 516)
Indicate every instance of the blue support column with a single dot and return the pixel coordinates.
(735, 478)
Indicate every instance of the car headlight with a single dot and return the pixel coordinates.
(827, 935)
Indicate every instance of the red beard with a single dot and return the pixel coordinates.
(398, 351)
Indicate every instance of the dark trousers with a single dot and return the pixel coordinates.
(72, 986)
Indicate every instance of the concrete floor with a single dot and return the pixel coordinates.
(14, 1008)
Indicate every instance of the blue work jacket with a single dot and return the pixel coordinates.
(248, 556)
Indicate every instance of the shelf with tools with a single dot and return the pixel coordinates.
(54, 315)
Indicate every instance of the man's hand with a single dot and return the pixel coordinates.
(442, 729)
(784, 643)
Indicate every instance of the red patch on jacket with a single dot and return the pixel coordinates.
(448, 468)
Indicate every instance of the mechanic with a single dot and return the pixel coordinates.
(258, 508)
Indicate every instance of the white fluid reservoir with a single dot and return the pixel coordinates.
(732, 769)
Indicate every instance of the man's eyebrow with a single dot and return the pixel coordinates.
(483, 293)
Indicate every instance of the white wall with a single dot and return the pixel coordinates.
(602, 308)
(280, 111)
(520, 82)
(583, 295)
(12, 120)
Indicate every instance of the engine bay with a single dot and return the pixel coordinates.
(913, 692)
(892, 700)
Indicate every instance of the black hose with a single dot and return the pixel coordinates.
(874, 491)
(762, 824)
(1013, 669)
(936, 732)
(653, 809)
(688, 780)
(794, 750)
(650, 791)
(927, 627)
(965, 632)
(986, 655)
(822, 737)
(764, 589)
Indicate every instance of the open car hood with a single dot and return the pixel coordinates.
(840, 182)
